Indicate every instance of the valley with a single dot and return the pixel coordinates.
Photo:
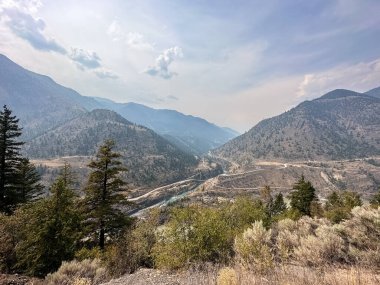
(211, 185)
(189, 142)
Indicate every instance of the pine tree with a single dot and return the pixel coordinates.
(103, 194)
(28, 185)
(51, 233)
(302, 196)
(278, 206)
(9, 159)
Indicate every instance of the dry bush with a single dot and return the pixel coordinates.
(82, 281)
(253, 248)
(85, 272)
(287, 239)
(290, 233)
(325, 247)
(227, 276)
(362, 232)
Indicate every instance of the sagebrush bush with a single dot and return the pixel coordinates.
(362, 232)
(254, 248)
(289, 234)
(86, 272)
(287, 239)
(325, 247)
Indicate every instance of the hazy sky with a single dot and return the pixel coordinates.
(230, 62)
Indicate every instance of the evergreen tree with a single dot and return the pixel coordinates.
(302, 197)
(278, 206)
(103, 196)
(339, 205)
(9, 159)
(28, 185)
(51, 234)
(273, 206)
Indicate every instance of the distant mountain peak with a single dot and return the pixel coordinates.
(375, 92)
(342, 124)
(339, 93)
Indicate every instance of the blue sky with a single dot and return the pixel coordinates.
(230, 62)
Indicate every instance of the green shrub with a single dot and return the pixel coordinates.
(134, 249)
(88, 253)
(339, 205)
(243, 212)
(193, 234)
(9, 228)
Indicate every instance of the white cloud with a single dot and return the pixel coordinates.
(134, 40)
(85, 58)
(89, 60)
(137, 41)
(163, 61)
(26, 26)
(115, 31)
(27, 6)
(358, 77)
(105, 73)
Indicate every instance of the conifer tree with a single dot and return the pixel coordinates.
(28, 184)
(52, 233)
(302, 197)
(103, 194)
(9, 159)
(278, 206)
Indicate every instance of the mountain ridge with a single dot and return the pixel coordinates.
(151, 159)
(192, 134)
(42, 104)
(333, 126)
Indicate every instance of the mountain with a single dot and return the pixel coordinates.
(342, 124)
(39, 102)
(42, 104)
(374, 92)
(191, 134)
(149, 157)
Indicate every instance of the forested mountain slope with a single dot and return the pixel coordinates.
(342, 124)
(149, 157)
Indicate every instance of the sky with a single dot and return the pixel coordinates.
(231, 62)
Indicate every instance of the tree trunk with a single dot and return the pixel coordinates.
(101, 235)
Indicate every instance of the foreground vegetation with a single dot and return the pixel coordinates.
(88, 239)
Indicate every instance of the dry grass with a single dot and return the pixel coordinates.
(289, 275)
